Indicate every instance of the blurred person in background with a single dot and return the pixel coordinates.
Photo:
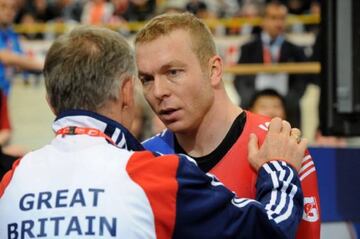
(140, 10)
(249, 10)
(216, 9)
(10, 58)
(68, 10)
(11, 54)
(120, 7)
(97, 12)
(171, 7)
(5, 127)
(194, 6)
(226, 8)
(269, 103)
(298, 7)
(8, 152)
(315, 7)
(41, 10)
(271, 47)
(21, 8)
(50, 11)
(33, 12)
(201, 10)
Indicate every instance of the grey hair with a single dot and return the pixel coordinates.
(84, 68)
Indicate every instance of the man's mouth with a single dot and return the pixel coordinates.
(168, 114)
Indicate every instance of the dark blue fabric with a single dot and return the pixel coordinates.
(339, 183)
(208, 211)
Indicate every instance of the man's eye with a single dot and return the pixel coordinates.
(173, 72)
(145, 79)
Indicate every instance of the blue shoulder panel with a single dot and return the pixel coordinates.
(162, 142)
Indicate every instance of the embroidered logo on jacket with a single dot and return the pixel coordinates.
(311, 211)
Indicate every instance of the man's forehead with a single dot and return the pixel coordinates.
(8, 3)
(165, 48)
(171, 35)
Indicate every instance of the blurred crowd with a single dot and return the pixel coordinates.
(124, 11)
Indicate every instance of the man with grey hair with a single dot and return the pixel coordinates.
(94, 181)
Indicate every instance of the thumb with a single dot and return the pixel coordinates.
(253, 147)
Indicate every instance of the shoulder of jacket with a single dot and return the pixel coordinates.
(257, 123)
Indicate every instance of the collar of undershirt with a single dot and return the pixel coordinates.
(207, 162)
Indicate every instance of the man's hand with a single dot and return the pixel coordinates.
(281, 143)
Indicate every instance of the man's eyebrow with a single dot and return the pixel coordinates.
(172, 64)
(165, 67)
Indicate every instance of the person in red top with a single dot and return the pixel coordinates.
(8, 153)
(181, 74)
(5, 128)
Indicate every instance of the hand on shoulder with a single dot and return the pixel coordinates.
(281, 143)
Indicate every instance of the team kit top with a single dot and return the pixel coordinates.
(228, 162)
(94, 181)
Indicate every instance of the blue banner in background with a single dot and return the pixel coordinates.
(338, 172)
(339, 183)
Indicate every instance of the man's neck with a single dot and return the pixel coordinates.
(211, 131)
(268, 39)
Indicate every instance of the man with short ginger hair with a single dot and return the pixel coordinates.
(183, 85)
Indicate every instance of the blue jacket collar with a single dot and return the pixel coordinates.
(82, 118)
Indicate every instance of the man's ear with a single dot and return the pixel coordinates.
(49, 104)
(127, 93)
(216, 70)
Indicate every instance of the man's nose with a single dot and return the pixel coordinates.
(161, 88)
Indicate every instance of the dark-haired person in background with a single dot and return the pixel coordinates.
(268, 102)
(271, 47)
